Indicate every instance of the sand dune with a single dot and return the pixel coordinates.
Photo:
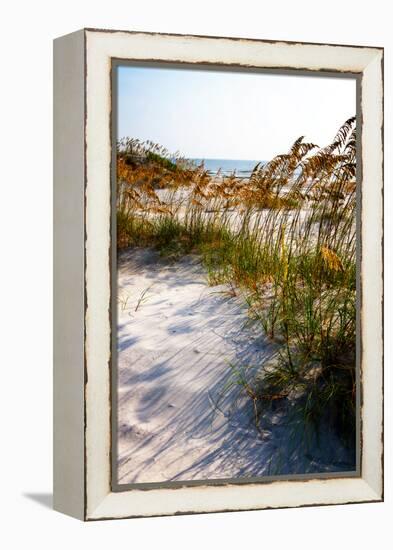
(178, 419)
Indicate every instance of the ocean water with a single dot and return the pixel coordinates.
(240, 167)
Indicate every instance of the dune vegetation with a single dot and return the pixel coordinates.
(284, 240)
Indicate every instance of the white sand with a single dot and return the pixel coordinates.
(176, 421)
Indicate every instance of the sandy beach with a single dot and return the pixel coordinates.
(179, 417)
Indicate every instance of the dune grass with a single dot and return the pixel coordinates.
(286, 237)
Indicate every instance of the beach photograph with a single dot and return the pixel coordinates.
(236, 280)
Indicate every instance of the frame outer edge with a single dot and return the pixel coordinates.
(373, 284)
(68, 298)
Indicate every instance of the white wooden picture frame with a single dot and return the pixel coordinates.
(82, 256)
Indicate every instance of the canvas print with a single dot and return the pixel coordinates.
(235, 284)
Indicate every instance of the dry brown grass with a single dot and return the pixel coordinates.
(286, 236)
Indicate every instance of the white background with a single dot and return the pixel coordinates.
(27, 29)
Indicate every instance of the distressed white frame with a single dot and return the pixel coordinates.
(95, 500)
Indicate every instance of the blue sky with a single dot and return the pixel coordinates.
(219, 114)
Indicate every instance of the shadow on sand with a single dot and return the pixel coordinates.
(183, 415)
